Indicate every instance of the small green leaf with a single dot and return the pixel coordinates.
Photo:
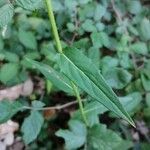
(89, 26)
(94, 54)
(31, 126)
(8, 72)
(131, 102)
(99, 12)
(107, 63)
(100, 39)
(148, 99)
(134, 6)
(75, 137)
(11, 57)
(8, 109)
(55, 77)
(139, 47)
(101, 138)
(6, 14)
(28, 39)
(29, 4)
(92, 110)
(71, 27)
(1, 43)
(145, 29)
(38, 104)
(145, 82)
(84, 73)
(117, 78)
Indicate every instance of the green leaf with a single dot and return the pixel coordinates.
(107, 63)
(134, 6)
(71, 27)
(28, 39)
(148, 99)
(84, 73)
(8, 109)
(8, 72)
(92, 110)
(3, 2)
(140, 48)
(124, 59)
(99, 12)
(38, 104)
(29, 4)
(1, 43)
(117, 78)
(101, 138)
(145, 146)
(75, 137)
(94, 54)
(124, 145)
(12, 57)
(131, 102)
(32, 126)
(135, 86)
(100, 26)
(96, 40)
(55, 77)
(89, 26)
(145, 82)
(145, 29)
(6, 14)
(100, 39)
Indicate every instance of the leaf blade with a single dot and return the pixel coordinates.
(52, 75)
(32, 126)
(29, 4)
(90, 80)
(6, 14)
(8, 109)
(75, 137)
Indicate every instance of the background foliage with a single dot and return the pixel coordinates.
(115, 35)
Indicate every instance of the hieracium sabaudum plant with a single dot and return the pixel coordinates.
(74, 72)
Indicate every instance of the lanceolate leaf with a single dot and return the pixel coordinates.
(52, 75)
(84, 73)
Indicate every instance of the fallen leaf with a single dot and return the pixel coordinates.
(27, 88)
(8, 127)
(49, 114)
(12, 93)
(7, 134)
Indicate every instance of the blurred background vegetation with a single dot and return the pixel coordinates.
(115, 34)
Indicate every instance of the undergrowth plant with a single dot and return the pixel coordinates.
(74, 73)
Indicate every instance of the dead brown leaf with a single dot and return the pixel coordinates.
(12, 93)
(7, 133)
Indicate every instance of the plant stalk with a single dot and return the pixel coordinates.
(59, 48)
(76, 91)
(53, 25)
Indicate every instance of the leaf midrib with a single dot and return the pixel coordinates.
(128, 119)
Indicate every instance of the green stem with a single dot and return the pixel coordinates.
(59, 48)
(80, 102)
(53, 25)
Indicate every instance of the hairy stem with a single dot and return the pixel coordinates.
(59, 48)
